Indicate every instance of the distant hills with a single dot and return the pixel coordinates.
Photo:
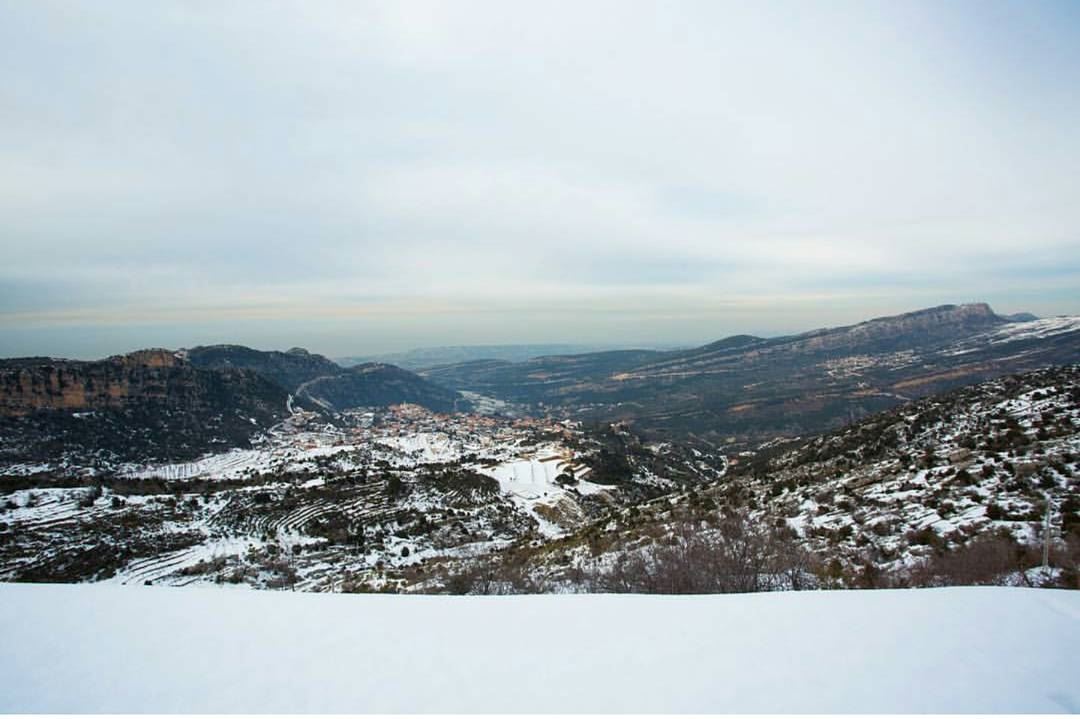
(744, 389)
(736, 391)
(378, 385)
(425, 357)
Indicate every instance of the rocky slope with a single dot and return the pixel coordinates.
(931, 477)
(40, 383)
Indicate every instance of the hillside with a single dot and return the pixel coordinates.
(745, 390)
(327, 384)
(365, 503)
(552, 379)
(986, 650)
(948, 490)
(378, 385)
(932, 478)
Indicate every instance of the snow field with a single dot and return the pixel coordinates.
(530, 482)
(98, 648)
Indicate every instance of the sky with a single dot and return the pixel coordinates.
(365, 177)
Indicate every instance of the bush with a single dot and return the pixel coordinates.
(926, 537)
(739, 556)
(92, 495)
(987, 560)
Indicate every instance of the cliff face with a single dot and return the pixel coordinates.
(114, 383)
(147, 403)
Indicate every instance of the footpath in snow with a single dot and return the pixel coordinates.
(99, 648)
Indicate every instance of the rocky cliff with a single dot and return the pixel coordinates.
(149, 403)
(31, 384)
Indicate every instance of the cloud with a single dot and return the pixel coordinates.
(194, 166)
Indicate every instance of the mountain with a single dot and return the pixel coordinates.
(327, 383)
(287, 369)
(378, 385)
(747, 389)
(146, 404)
(1021, 317)
(161, 404)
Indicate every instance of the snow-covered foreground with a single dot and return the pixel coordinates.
(95, 648)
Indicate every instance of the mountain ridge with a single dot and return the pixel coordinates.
(749, 388)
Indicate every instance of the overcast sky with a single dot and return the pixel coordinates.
(365, 177)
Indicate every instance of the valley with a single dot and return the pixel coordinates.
(748, 464)
(319, 506)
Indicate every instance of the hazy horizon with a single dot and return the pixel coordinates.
(226, 338)
(366, 178)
